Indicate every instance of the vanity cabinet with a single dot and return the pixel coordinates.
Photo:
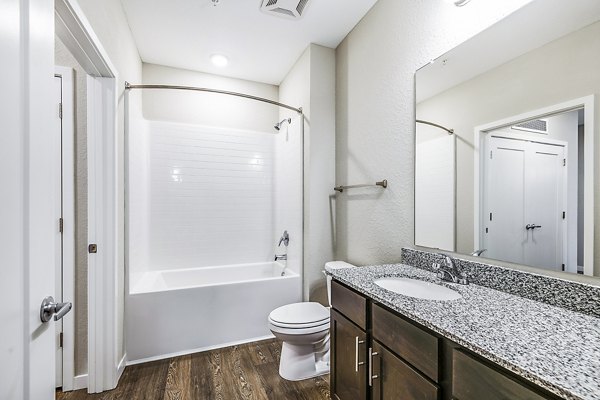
(377, 354)
(348, 360)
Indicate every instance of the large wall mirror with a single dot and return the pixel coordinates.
(507, 139)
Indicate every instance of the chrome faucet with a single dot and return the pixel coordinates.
(478, 253)
(285, 239)
(448, 271)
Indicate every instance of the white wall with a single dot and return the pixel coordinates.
(375, 114)
(110, 25)
(311, 85)
(209, 109)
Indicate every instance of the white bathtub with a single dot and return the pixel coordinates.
(183, 311)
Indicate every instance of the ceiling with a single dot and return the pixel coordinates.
(260, 47)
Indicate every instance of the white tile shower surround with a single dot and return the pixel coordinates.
(211, 196)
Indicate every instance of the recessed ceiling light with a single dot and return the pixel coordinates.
(219, 60)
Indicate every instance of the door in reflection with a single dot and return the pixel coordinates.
(524, 202)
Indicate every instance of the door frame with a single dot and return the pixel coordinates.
(76, 32)
(588, 104)
(68, 215)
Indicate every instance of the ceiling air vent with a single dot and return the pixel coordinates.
(290, 9)
(535, 126)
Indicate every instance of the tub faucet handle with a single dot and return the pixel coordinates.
(285, 239)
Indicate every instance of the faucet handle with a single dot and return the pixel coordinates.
(285, 239)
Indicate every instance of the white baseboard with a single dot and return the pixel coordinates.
(198, 350)
(121, 367)
(80, 382)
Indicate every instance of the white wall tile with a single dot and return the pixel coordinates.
(211, 196)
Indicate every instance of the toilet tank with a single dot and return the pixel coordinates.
(335, 265)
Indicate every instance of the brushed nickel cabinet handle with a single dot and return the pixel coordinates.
(371, 376)
(357, 363)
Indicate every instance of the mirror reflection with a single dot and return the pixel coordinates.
(506, 140)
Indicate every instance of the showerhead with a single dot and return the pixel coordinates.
(279, 124)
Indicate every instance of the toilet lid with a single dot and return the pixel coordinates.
(300, 314)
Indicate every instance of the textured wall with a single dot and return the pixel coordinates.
(375, 115)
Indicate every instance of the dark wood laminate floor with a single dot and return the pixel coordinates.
(248, 371)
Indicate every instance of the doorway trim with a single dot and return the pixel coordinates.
(68, 226)
(588, 104)
(76, 32)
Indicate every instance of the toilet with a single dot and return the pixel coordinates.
(304, 330)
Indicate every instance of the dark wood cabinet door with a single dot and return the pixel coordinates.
(348, 359)
(413, 344)
(473, 380)
(394, 379)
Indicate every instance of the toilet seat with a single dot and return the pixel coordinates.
(299, 331)
(300, 316)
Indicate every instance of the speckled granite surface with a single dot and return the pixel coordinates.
(558, 292)
(553, 347)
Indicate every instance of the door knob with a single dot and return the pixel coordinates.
(50, 308)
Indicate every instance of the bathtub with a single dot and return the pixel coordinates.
(176, 312)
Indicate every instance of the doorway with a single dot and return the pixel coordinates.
(531, 168)
(525, 196)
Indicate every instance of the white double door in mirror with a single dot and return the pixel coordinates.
(524, 199)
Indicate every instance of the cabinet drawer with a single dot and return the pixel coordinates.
(410, 342)
(473, 380)
(394, 379)
(349, 303)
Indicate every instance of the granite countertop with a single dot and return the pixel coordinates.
(552, 347)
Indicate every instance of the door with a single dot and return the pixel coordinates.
(27, 198)
(392, 378)
(524, 200)
(348, 359)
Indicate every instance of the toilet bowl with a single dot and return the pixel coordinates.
(304, 330)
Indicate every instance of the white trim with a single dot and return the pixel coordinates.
(80, 382)
(102, 231)
(198, 350)
(68, 214)
(121, 366)
(588, 103)
(76, 32)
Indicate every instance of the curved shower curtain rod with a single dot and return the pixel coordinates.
(449, 130)
(129, 86)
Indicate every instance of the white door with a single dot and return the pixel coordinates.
(27, 175)
(524, 197)
(546, 197)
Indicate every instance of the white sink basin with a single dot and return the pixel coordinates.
(418, 289)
